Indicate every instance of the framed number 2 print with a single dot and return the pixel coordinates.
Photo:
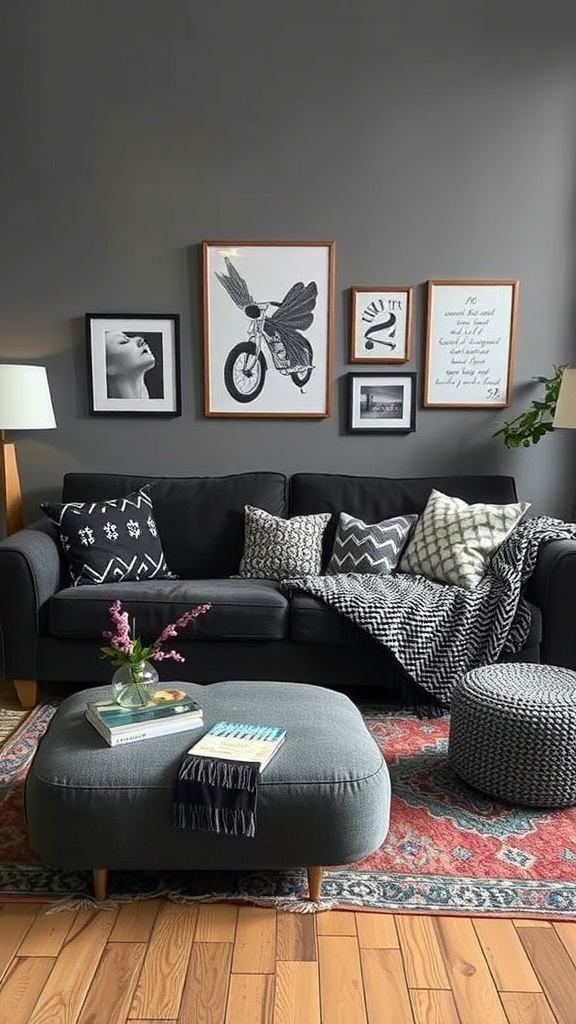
(381, 324)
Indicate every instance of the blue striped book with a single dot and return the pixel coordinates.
(240, 741)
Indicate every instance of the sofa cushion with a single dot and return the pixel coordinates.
(453, 541)
(375, 548)
(109, 541)
(276, 548)
(241, 609)
(200, 519)
(375, 498)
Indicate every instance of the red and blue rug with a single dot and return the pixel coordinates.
(449, 850)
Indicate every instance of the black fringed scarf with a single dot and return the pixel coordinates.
(217, 795)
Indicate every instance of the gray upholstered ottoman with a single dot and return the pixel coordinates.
(323, 799)
(513, 733)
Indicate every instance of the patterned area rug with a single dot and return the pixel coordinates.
(450, 850)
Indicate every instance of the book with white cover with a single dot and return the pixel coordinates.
(240, 741)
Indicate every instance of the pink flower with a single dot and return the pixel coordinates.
(125, 649)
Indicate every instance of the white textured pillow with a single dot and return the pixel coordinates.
(453, 541)
(375, 548)
(276, 549)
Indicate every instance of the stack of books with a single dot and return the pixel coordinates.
(172, 710)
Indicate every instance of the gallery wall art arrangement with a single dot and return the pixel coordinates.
(268, 342)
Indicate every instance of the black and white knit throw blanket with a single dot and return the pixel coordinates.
(437, 631)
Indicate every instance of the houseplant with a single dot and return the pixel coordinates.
(530, 426)
(135, 679)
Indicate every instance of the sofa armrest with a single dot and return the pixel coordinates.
(553, 589)
(30, 572)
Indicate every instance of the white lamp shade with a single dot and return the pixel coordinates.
(25, 402)
(565, 415)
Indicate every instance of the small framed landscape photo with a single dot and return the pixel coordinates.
(381, 324)
(134, 363)
(382, 403)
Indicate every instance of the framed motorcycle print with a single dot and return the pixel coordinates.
(268, 314)
(381, 324)
(470, 336)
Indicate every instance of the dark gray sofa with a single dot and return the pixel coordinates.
(51, 631)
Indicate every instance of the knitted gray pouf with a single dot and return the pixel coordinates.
(513, 733)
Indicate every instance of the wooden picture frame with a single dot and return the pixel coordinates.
(133, 363)
(381, 324)
(268, 325)
(470, 339)
(382, 403)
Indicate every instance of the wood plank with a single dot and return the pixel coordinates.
(433, 1007)
(555, 970)
(567, 933)
(474, 991)
(22, 985)
(336, 922)
(255, 945)
(159, 988)
(216, 922)
(423, 961)
(15, 920)
(506, 956)
(111, 992)
(376, 931)
(530, 922)
(527, 1008)
(135, 921)
(341, 992)
(297, 997)
(296, 937)
(385, 989)
(250, 999)
(47, 934)
(65, 991)
(206, 985)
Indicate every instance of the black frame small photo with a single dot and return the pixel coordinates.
(382, 403)
(134, 363)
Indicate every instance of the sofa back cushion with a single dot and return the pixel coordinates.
(200, 519)
(373, 498)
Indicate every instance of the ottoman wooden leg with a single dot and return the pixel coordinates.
(100, 882)
(314, 882)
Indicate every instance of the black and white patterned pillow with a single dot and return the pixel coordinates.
(110, 541)
(361, 547)
(276, 549)
(453, 541)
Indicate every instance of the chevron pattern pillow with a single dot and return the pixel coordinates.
(453, 541)
(276, 548)
(361, 547)
(110, 541)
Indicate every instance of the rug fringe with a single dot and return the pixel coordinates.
(283, 903)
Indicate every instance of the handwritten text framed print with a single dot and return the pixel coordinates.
(470, 335)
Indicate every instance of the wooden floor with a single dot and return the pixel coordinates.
(157, 961)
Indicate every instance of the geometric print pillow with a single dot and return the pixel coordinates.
(361, 547)
(276, 549)
(110, 541)
(453, 541)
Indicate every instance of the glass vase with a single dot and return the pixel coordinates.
(133, 686)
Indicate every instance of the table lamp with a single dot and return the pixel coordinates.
(565, 415)
(25, 404)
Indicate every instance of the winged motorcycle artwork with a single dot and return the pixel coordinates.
(278, 334)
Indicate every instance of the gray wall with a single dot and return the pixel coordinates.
(428, 140)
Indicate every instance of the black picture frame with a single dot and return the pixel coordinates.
(382, 403)
(138, 376)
